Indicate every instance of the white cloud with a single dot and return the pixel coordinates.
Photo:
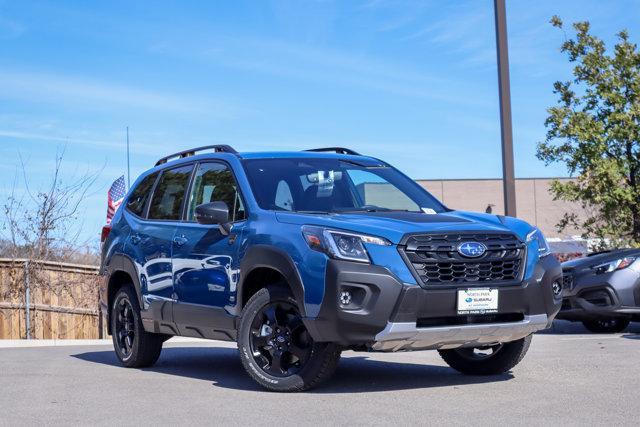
(84, 142)
(327, 65)
(71, 90)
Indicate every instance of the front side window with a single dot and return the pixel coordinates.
(327, 185)
(139, 196)
(169, 194)
(214, 182)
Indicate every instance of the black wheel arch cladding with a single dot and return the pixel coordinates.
(120, 263)
(265, 256)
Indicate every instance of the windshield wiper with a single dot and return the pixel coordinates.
(313, 212)
(370, 208)
(362, 210)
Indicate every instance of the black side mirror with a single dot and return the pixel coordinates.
(214, 213)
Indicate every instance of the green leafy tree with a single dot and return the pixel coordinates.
(595, 130)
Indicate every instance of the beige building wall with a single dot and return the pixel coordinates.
(534, 203)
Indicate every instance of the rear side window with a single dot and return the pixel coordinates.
(138, 199)
(214, 182)
(169, 194)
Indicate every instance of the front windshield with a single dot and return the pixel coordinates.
(320, 185)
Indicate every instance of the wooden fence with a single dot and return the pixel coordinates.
(49, 300)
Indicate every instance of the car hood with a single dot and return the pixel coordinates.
(600, 258)
(393, 225)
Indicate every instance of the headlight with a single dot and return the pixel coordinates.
(543, 246)
(341, 244)
(617, 264)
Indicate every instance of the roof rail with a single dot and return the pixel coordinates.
(338, 150)
(221, 148)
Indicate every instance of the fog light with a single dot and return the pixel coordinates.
(345, 298)
(556, 287)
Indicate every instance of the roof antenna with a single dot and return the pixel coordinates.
(128, 168)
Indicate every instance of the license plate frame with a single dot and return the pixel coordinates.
(477, 301)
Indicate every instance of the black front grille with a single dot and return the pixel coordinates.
(436, 261)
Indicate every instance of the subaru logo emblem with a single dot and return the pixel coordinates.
(471, 249)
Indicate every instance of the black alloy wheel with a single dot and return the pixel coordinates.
(280, 344)
(124, 327)
(135, 347)
(276, 349)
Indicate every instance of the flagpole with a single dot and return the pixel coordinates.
(128, 168)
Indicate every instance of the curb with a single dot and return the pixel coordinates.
(66, 343)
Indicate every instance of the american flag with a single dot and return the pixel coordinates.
(115, 197)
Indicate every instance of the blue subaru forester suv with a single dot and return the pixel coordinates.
(300, 255)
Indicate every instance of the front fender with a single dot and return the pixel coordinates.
(265, 256)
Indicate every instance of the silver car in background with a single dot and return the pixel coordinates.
(602, 290)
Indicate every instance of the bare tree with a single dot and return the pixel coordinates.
(44, 224)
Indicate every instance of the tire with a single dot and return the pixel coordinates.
(606, 325)
(276, 349)
(135, 347)
(502, 358)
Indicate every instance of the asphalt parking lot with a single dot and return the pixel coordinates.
(568, 377)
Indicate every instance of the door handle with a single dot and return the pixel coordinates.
(135, 238)
(180, 240)
(232, 238)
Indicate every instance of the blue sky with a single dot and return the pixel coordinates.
(413, 82)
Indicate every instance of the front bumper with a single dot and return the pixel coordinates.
(386, 315)
(591, 296)
(401, 336)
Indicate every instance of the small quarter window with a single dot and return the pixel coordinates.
(138, 199)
